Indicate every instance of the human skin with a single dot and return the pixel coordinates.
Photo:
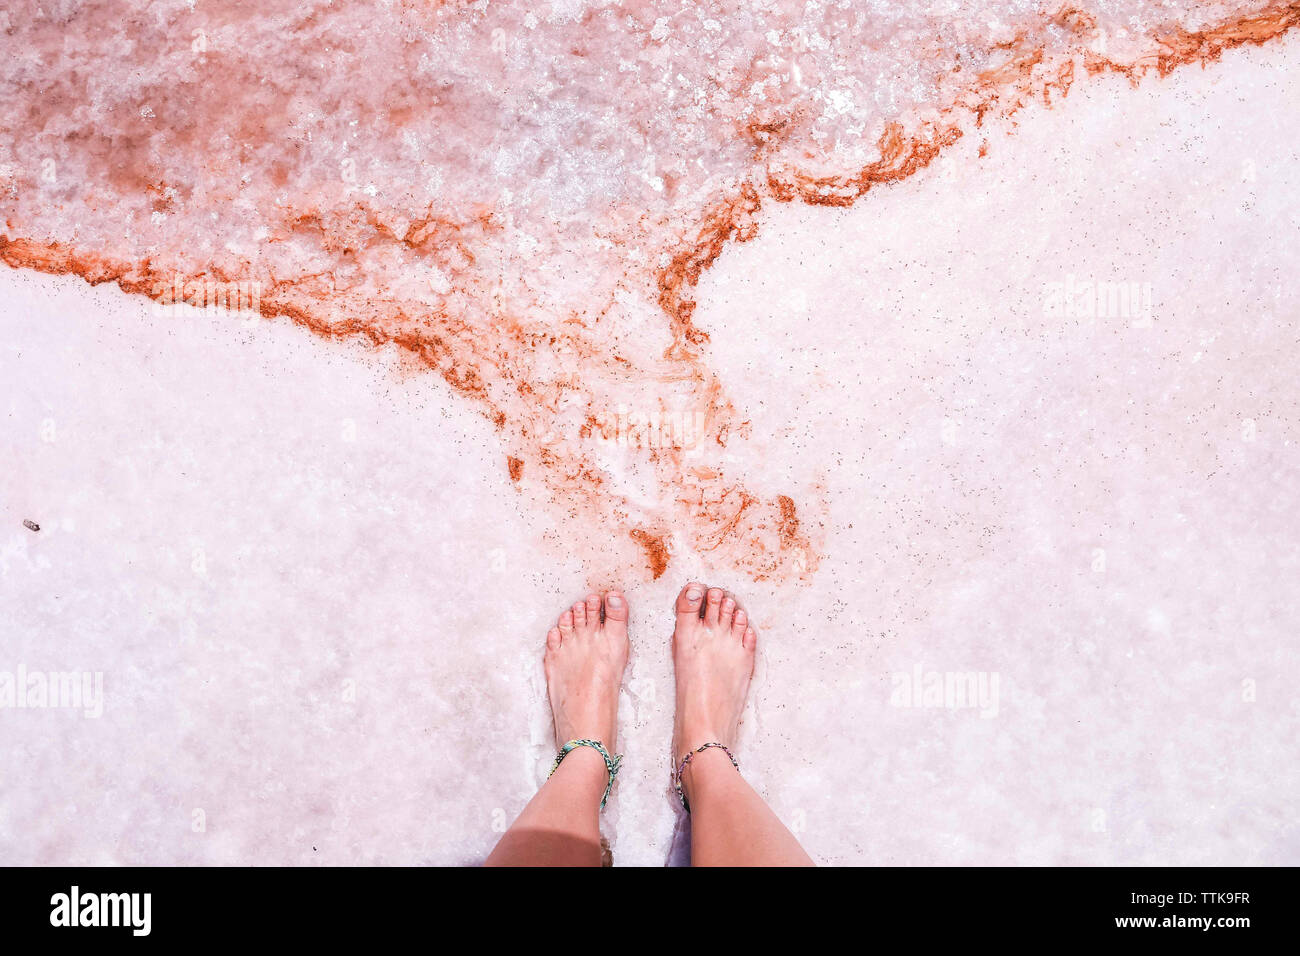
(713, 656)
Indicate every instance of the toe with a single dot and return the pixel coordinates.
(688, 602)
(553, 639)
(593, 609)
(713, 609)
(615, 607)
(565, 624)
(738, 625)
(727, 613)
(579, 611)
(751, 639)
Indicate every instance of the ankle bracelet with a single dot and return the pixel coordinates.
(611, 763)
(677, 777)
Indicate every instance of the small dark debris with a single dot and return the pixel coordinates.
(31, 525)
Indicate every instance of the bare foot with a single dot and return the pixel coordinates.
(585, 655)
(713, 655)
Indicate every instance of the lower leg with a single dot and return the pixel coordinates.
(561, 824)
(713, 657)
(730, 823)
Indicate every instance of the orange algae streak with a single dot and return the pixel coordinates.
(503, 198)
(656, 551)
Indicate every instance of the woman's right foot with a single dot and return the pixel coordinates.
(713, 656)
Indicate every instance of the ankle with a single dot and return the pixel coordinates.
(584, 768)
(688, 742)
(702, 768)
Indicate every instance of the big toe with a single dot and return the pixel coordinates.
(615, 608)
(689, 600)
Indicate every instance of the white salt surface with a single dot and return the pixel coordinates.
(317, 602)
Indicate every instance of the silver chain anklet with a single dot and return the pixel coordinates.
(677, 777)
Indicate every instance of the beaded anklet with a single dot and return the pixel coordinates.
(677, 777)
(611, 763)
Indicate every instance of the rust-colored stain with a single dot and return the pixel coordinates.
(789, 528)
(513, 298)
(656, 550)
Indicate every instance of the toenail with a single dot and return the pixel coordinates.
(693, 594)
(614, 600)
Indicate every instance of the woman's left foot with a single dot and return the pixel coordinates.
(586, 653)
